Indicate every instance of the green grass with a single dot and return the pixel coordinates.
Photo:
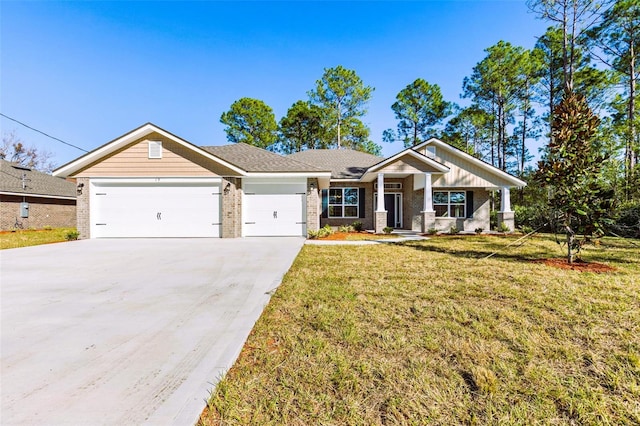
(430, 333)
(25, 238)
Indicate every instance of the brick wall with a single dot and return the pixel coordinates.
(82, 210)
(42, 212)
(480, 217)
(231, 208)
(367, 221)
(313, 205)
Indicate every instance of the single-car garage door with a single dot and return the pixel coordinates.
(275, 209)
(155, 209)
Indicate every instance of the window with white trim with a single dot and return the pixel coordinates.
(343, 202)
(155, 149)
(389, 185)
(450, 203)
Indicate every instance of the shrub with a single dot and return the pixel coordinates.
(387, 229)
(504, 227)
(346, 228)
(526, 229)
(432, 231)
(453, 230)
(72, 235)
(493, 219)
(313, 234)
(479, 230)
(627, 221)
(325, 231)
(532, 216)
(357, 226)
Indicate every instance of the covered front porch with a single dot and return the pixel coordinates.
(412, 202)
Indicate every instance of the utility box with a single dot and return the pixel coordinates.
(24, 210)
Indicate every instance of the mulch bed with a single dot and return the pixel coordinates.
(578, 265)
(341, 236)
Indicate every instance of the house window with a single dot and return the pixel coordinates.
(449, 203)
(389, 185)
(343, 202)
(155, 149)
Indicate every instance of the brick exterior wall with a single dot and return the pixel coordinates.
(82, 210)
(367, 221)
(313, 205)
(480, 217)
(231, 215)
(42, 212)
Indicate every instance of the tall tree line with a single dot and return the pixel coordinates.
(589, 49)
(329, 118)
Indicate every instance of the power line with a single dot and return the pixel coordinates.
(41, 132)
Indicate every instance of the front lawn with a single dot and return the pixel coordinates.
(24, 238)
(428, 332)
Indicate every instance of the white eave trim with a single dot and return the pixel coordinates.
(126, 139)
(287, 174)
(488, 167)
(433, 163)
(154, 180)
(25, 194)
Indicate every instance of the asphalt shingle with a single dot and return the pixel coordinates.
(253, 159)
(343, 163)
(35, 183)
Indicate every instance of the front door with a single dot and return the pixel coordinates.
(390, 205)
(393, 206)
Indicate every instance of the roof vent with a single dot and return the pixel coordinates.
(431, 152)
(155, 149)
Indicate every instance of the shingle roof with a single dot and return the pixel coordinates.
(36, 183)
(343, 163)
(253, 159)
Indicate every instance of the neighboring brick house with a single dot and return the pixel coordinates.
(33, 199)
(152, 183)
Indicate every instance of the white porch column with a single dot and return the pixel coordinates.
(381, 206)
(428, 194)
(506, 217)
(505, 200)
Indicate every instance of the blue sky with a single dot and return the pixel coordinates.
(88, 72)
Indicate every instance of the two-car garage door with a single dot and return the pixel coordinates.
(144, 208)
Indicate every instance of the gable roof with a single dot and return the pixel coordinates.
(343, 163)
(410, 152)
(122, 141)
(36, 183)
(482, 164)
(257, 160)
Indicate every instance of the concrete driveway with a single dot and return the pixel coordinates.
(128, 331)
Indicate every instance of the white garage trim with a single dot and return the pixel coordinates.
(274, 207)
(155, 207)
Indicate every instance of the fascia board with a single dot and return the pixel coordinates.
(440, 167)
(138, 133)
(486, 166)
(23, 194)
(287, 174)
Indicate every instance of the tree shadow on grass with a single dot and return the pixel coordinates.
(502, 252)
(497, 251)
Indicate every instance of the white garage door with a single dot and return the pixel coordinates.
(155, 209)
(275, 209)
